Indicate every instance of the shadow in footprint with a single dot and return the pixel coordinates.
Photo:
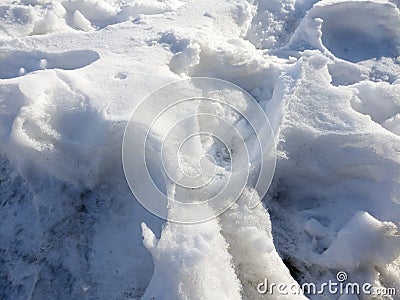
(19, 63)
(358, 33)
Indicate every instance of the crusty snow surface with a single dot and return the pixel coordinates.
(327, 74)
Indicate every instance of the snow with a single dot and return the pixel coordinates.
(363, 240)
(80, 21)
(326, 73)
(191, 261)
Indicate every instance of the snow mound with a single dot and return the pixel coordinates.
(43, 17)
(334, 162)
(59, 120)
(351, 30)
(326, 73)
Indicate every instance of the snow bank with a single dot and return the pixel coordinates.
(325, 72)
(41, 17)
(351, 30)
(58, 121)
(334, 162)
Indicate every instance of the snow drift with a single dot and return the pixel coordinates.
(71, 72)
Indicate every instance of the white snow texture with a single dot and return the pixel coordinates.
(326, 73)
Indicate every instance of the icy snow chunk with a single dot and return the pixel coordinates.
(191, 261)
(364, 240)
(316, 229)
(380, 101)
(347, 73)
(308, 35)
(248, 232)
(98, 11)
(80, 21)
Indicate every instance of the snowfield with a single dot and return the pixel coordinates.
(327, 75)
